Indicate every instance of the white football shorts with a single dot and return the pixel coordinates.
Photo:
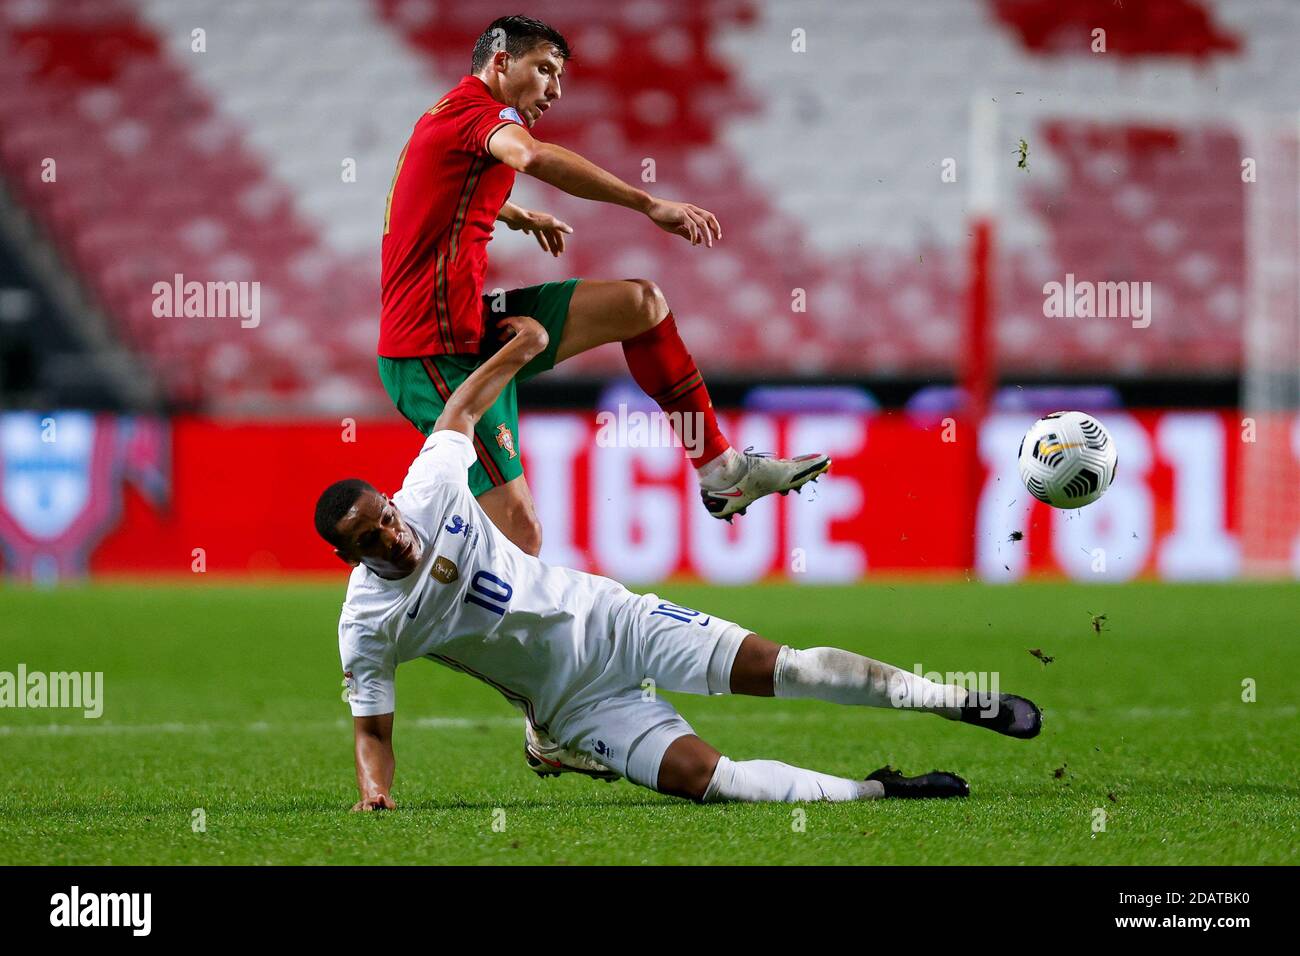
(619, 718)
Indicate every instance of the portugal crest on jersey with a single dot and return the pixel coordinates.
(506, 440)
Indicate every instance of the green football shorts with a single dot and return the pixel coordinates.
(420, 387)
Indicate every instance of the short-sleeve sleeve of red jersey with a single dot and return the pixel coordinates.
(480, 122)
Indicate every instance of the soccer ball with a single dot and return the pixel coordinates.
(1067, 459)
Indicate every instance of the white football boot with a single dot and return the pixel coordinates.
(546, 758)
(763, 475)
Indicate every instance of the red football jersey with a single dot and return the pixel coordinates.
(441, 210)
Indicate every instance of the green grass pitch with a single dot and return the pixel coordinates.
(226, 698)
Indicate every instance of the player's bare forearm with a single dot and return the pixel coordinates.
(577, 176)
(565, 169)
(373, 747)
(475, 395)
(512, 215)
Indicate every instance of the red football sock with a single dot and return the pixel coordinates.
(666, 372)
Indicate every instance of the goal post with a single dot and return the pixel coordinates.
(1268, 500)
(977, 365)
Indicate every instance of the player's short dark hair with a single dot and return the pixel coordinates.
(516, 35)
(334, 502)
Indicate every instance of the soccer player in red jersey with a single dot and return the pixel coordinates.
(451, 186)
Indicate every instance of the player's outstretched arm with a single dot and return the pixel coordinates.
(565, 169)
(542, 226)
(375, 762)
(475, 395)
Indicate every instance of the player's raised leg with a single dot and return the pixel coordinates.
(635, 313)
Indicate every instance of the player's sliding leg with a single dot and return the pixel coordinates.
(635, 313)
(693, 769)
(765, 669)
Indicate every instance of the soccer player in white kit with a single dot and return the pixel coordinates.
(433, 578)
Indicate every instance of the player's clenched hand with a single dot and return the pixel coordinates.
(685, 220)
(528, 329)
(374, 801)
(545, 228)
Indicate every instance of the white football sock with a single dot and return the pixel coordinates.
(842, 677)
(770, 781)
(723, 471)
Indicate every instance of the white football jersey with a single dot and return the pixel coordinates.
(475, 602)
